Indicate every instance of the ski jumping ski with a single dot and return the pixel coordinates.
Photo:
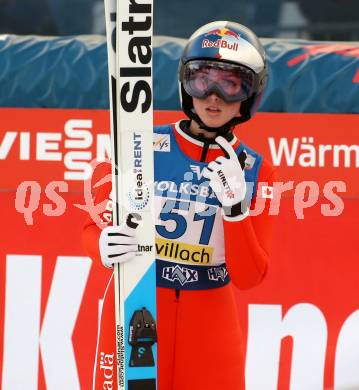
(129, 45)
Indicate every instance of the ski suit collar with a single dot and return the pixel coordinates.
(196, 148)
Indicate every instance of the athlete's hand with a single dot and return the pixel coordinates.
(118, 243)
(226, 178)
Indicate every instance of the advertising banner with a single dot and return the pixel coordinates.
(301, 324)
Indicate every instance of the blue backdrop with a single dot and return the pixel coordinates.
(71, 72)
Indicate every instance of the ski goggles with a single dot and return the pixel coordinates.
(233, 83)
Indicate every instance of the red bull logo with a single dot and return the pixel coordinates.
(220, 43)
(315, 50)
(223, 32)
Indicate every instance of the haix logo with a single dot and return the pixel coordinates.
(219, 273)
(181, 274)
(161, 142)
(106, 367)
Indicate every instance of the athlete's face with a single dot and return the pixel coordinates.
(214, 111)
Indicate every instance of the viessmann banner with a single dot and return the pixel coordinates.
(301, 323)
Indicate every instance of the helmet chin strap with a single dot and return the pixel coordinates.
(223, 130)
(185, 126)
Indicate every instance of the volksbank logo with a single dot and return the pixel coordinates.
(197, 170)
(219, 273)
(181, 274)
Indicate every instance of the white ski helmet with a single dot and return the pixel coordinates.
(231, 47)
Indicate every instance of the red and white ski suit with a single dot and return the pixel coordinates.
(200, 342)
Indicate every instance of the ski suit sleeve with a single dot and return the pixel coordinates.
(92, 229)
(247, 242)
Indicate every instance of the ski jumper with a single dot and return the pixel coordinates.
(200, 256)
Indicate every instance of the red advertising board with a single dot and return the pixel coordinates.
(301, 322)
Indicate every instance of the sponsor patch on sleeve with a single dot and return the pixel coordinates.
(161, 142)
